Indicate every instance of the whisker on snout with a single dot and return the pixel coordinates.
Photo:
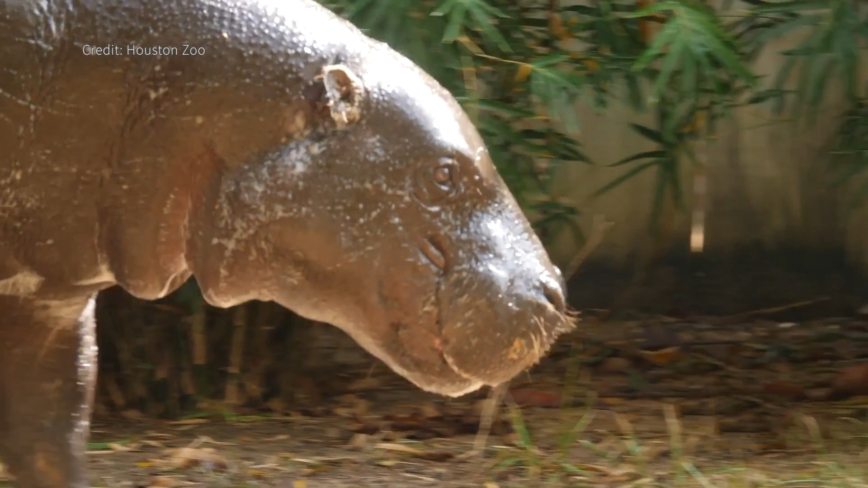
(539, 324)
(546, 337)
(569, 319)
(537, 347)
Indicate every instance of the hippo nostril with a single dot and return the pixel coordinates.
(433, 248)
(555, 296)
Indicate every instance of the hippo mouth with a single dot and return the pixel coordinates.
(503, 365)
(453, 376)
(517, 358)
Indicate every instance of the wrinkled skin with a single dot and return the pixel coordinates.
(295, 160)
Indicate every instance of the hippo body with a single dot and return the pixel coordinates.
(273, 152)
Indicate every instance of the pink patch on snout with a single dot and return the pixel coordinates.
(438, 344)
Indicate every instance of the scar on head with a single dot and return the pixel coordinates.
(344, 92)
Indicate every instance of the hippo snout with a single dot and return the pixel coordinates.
(501, 309)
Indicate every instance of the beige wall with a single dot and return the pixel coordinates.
(765, 180)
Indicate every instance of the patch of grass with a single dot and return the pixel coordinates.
(819, 455)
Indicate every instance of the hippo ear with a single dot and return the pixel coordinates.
(344, 93)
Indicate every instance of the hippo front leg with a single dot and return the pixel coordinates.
(48, 369)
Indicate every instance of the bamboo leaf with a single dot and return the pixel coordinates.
(648, 133)
(484, 23)
(672, 60)
(621, 179)
(504, 108)
(819, 76)
(798, 6)
(669, 32)
(653, 9)
(641, 155)
(730, 58)
(689, 80)
(455, 25)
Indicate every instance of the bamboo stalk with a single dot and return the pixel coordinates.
(116, 395)
(199, 345)
(700, 190)
(239, 323)
(198, 339)
(263, 359)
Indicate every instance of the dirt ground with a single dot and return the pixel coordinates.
(657, 401)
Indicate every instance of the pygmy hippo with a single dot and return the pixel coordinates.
(272, 151)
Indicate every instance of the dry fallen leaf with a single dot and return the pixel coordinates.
(852, 381)
(347, 412)
(595, 468)
(479, 406)
(430, 411)
(163, 482)
(132, 414)
(743, 424)
(655, 452)
(660, 337)
(186, 457)
(363, 428)
(202, 439)
(783, 389)
(781, 367)
(427, 455)
(611, 401)
(369, 383)
(535, 398)
(663, 357)
(614, 365)
(188, 422)
(388, 446)
(164, 435)
(359, 441)
(124, 448)
(524, 70)
(276, 404)
(257, 473)
(512, 439)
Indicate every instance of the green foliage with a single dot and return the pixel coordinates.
(500, 60)
(510, 64)
(835, 33)
(697, 69)
(850, 153)
(695, 48)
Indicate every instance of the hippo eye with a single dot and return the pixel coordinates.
(443, 175)
(437, 182)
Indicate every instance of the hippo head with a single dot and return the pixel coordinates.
(391, 223)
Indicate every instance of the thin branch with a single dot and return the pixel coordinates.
(598, 231)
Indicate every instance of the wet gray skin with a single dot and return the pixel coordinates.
(296, 161)
(399, 230)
